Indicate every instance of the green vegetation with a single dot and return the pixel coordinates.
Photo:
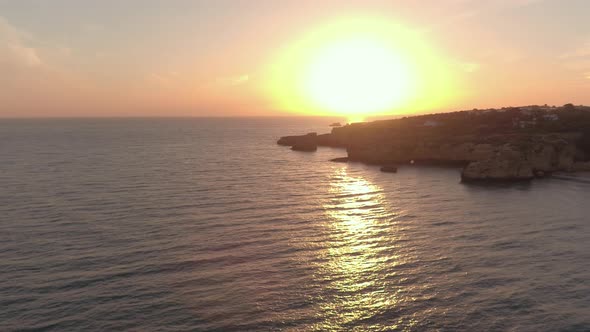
(508, 120)
(518, 125)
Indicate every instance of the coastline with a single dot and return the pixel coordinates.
(510, 144)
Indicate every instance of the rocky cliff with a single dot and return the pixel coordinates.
(487, 153)
(542, 154)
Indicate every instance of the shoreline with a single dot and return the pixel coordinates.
(489, 145)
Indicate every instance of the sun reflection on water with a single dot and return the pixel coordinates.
(362, 242)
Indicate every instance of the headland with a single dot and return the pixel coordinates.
(506, 144)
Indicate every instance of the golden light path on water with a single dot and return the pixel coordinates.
(363, 240)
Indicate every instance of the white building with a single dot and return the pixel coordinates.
(527, 124)
(551, 117)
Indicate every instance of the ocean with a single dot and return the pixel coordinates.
(208, 225)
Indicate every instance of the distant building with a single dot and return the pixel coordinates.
(527, 124)
(431, 123)
(518, 123)
(551, 117)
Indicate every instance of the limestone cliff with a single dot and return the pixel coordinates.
(490, 151)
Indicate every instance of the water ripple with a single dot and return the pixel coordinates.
(206, 224)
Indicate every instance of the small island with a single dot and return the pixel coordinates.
(507, 144)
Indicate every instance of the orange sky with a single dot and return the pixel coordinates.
(212, 58)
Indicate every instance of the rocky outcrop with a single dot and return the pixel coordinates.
(551, 153)
(508, 163)
(310, 138)
(330, 140)
(305, 147)
(306, 143)
(340, 160)
(430, 152)
(389, 169)
(542, 156)
(498, 170)
(488, 147)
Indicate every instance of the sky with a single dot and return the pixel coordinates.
(83, 58)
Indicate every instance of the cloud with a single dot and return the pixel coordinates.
(578, 60)
(163, 78)
(234, 80)
(518, 3)
(467, 9)
(497, 4)
(24, 55)
(159, 78)
(14, 48)
(580, 52)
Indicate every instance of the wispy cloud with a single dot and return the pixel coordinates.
(467, 9)
(578, 59)
(166, 78)
(14, 48)
(496, 4)
(234, 80)
(24, 55)
(580, 52)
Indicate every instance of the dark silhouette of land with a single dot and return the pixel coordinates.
(511, 143)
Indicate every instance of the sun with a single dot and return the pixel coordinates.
(357, 75)
(357, 68)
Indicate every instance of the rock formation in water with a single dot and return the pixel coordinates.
(389, 169)
(497, 170)
(507, 144)
(340, 160)
(306, 143)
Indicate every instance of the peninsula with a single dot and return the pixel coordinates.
(507, 144)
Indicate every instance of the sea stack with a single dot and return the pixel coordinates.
(497, 170)
(389, 169)
(306, 143)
